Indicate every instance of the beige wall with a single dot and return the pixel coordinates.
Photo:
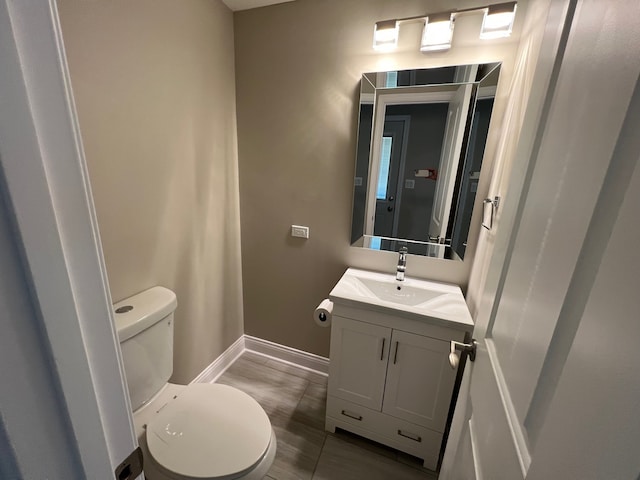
(298, 68)
(154, 87)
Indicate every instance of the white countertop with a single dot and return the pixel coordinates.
(434, 302)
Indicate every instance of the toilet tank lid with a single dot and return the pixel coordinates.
(139, 312)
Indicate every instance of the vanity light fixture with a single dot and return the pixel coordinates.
(437, 33)
(498, 20)
(438, 28)
(385, 35)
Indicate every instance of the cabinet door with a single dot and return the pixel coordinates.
(419, 380)
(359, 353)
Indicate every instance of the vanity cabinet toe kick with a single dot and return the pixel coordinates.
(390, 380)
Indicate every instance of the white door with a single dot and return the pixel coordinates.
(419, 380)
(449, 159)
(517, 423)
(45, 184)
(390, 173)
(359, 353)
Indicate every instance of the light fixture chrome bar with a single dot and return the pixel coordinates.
(438, 28)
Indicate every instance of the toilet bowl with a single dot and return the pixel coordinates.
(204, 431)
(197, 431)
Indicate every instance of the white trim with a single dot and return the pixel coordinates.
(48, 188)
(275, 351)
(517, 429)
(474, 449)
(298, 358)
(487, 92)
(395, 96)
(220, 364)
(367, 98)
(385, 97)
(412, 95)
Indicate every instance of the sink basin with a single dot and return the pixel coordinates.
(398, 292)
(412, 298)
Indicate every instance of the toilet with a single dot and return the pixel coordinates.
(198, 431)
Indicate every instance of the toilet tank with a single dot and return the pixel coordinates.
(145, 329)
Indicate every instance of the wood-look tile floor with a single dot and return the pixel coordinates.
(295, 401)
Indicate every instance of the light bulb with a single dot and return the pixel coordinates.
(498, 21)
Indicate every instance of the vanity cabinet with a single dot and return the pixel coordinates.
(362, 351)
(390, 380)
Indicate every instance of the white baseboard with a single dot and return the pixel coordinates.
(299, 358)
(220, 364)
(282, 353)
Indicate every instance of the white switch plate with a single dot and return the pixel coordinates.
(299, 231)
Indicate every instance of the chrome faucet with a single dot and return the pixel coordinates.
(402, 264)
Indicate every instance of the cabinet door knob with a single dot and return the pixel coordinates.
(468, 348)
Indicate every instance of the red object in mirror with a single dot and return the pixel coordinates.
(430, 173)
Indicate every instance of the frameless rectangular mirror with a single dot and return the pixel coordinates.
(421, 139)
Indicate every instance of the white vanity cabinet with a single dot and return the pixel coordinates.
(390, 378)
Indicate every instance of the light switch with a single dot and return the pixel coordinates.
(299, 231)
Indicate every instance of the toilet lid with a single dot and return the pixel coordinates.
(209, 431)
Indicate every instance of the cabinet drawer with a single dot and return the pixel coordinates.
(394, 432)
(352, 413)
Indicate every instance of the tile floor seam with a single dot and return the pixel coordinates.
(315, 467)
(306, 387)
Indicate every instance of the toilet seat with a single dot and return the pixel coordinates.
(209, 431)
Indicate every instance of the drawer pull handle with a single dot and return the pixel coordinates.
(352, 415)
(382, 351)
(395, 356)
(410, 436)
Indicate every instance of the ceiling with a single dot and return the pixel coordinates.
(236, 5)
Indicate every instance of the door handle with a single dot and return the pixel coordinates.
(382, 349)
(468, 348)
(389, 208)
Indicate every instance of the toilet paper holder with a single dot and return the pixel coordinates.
(323, 313)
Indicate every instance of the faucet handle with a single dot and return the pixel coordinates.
(403, 250)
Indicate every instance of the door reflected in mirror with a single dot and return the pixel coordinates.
(421, 140)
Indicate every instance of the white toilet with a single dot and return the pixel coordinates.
(199, 431)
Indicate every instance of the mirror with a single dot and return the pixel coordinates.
(421, 139)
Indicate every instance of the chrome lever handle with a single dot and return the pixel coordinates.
(468, 348)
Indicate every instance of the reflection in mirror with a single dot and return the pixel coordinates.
(421, 140)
